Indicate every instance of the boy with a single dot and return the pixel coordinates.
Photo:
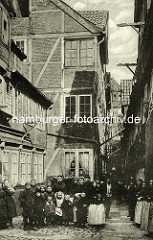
(67, 210)
(39, 208)
(82, 210)
(26, 200)
(50, 211)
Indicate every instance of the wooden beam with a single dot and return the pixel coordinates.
(48, 60)
(76, 16)
(135, 24)
(125, 64)
(128, 65)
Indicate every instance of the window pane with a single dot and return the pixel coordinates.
(84, 44)
(68, 44)
(90, 53)
(89, 44)
(90, 61)
(83, 53)
(83, 61)
(74, 44)
(74, 62)
(67, 62)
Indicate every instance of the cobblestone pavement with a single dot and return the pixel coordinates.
(118, 227)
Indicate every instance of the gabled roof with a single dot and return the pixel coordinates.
(84, 21)
(115, 84)
(98, 18)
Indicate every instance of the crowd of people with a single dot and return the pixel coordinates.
(80, 202)
(140, 201)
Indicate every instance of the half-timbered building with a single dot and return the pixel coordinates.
(22, 143)
(66, 59)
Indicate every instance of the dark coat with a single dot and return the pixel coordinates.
(67, 210)
(26, 199)
(49, 209)
(59, 187)
(39, 207)
(10, 205)
(3, 209)
(82, 210)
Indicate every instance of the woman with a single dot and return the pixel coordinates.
(10, 205)
(96, 211)
(138, 208)
(150, 217)
(3, 210)
(145, 207)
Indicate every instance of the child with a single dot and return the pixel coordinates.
(3, 210)
(39, 208)
(67, 210)
(10, 205)
(49, 192)
(26, 199)
(59, 197)
(82, 211)
(43, 191)
(50, 211)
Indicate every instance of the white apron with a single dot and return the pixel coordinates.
(96, 214)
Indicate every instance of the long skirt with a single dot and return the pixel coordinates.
(96, 214)
(150, 218)
(138, 212)
(145, 215)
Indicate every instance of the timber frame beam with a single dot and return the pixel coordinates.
(132, 25)
(128, 65)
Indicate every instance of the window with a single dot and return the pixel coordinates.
(25, 166)
(14, 157)
(70, 106)
(70, 164)
(80, 105)
(79, 53)
(22, 45)
(77, 163)
(5, 164)
(85, 106)
(38, 168)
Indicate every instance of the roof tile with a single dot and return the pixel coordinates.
(98, 18)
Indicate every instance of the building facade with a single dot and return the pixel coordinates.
(66, 59)
(138, 137)
(22, 143)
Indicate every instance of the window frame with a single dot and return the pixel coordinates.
(25, 45)
(78, 60)
(77, 101)
(76, 168)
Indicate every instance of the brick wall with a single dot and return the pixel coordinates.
(46, 22)
(51, 76)
(78, 78)
(20, 26)
(72, 26)
(41, 50)
(37, 5)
